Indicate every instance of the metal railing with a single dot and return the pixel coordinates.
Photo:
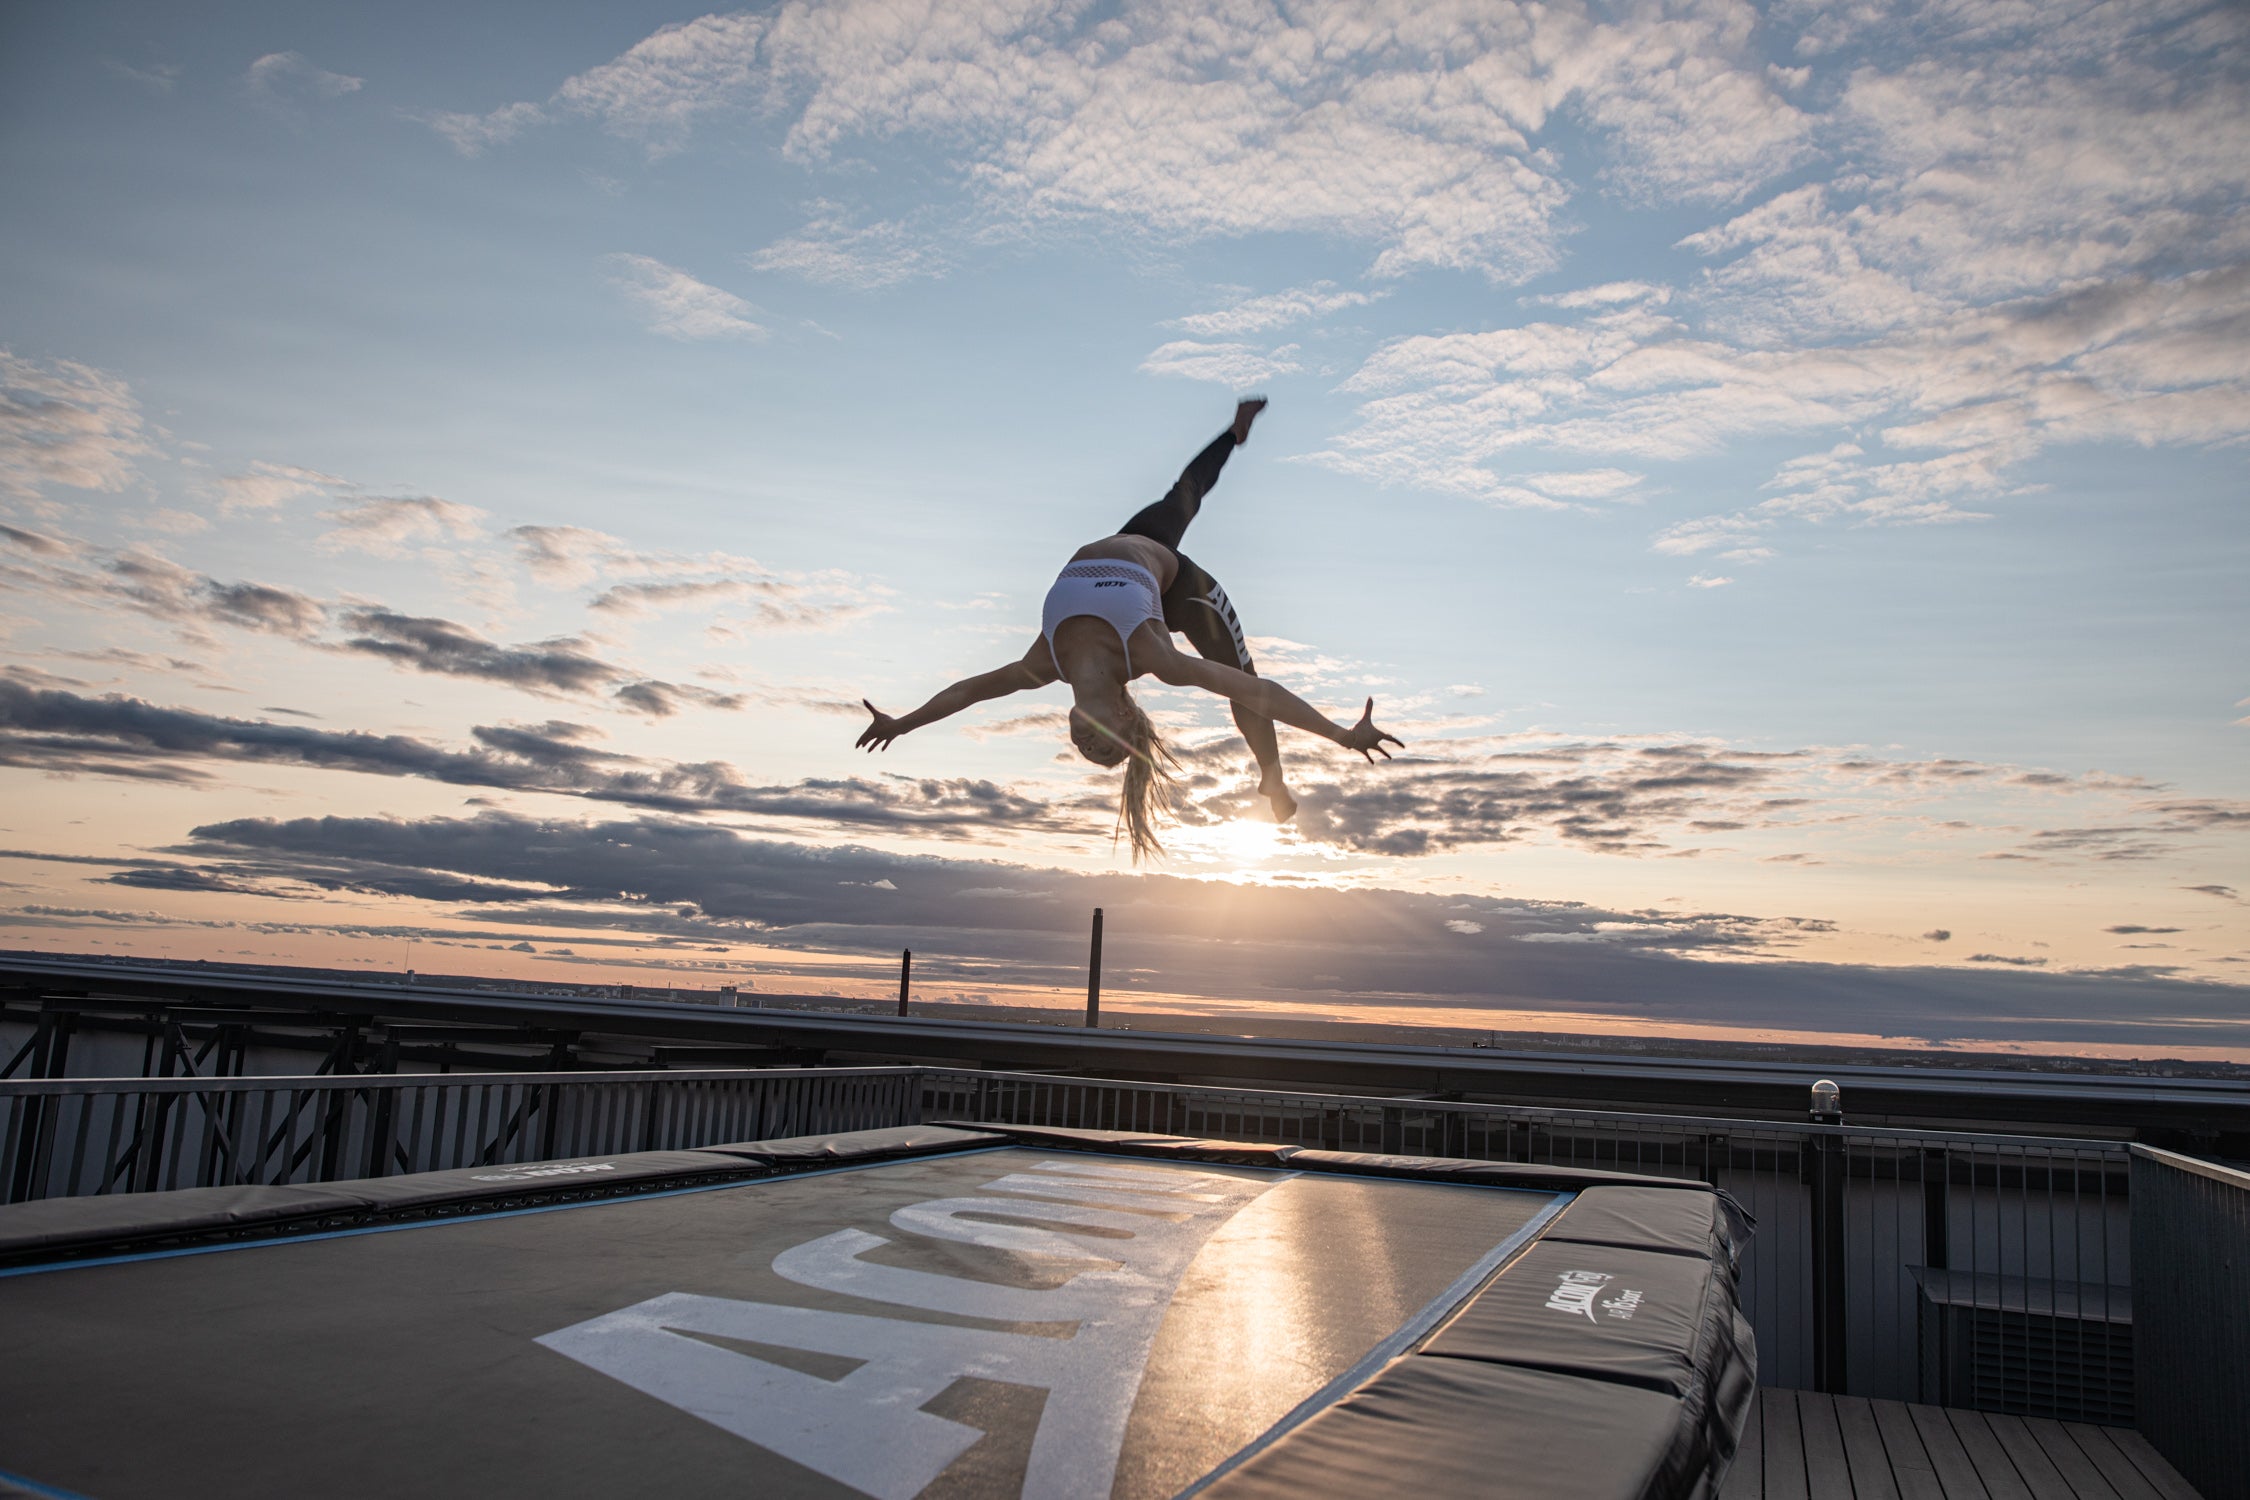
(71, 1137)
(2191, 1239)
(1968, 1269)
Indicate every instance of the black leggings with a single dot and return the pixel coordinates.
(1195, 605)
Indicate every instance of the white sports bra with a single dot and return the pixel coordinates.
(1123, 593)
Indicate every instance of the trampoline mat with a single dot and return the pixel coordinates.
(996, 1322)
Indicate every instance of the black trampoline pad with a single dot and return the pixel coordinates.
(1479, 1429)
(987, 1323)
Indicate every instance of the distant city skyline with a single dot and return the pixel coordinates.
(1781, 469)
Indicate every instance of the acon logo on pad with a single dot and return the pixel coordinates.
(560, 1169)
(1580, 1292)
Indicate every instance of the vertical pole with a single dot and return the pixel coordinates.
(1936, 1176)
(1094, 976)
(1831, 1170)
(905, 973)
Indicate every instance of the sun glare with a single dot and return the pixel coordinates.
(1240, 847)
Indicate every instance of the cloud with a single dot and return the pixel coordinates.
(34, 542)
(269, 486)
(193, 603)
(833, 251)
(1607, 294)
(1236, 366)
(656, 89)
(1708, 581)
(660, 581)
(2134, 928)
(661, 700)
(1937, 935)
(48, 729)
(679, 306)
(1609, 798)
(2001, 958)
(567, 554)
(474, 134)
(152, 585)
(1584, 484)
(1651, 797)
(1957, 403)
(67, 424)
(157, 78)
(684, 593)
(1275, 310)
(285, 82)
(1415, 135)
(2026, 237)
(392, 526)
(424, 644)
(656, 879)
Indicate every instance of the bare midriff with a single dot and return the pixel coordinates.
(1154, 556)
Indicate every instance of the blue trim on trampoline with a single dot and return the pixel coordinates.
(1401, 1339)
(504, 1213)
(52, 1492)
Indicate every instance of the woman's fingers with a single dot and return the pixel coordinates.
(876, 736)
(1376, 738)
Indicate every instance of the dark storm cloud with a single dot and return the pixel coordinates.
(665, 880)
(425, 644)
(54, 730)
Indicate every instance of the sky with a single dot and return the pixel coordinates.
(1780, 469)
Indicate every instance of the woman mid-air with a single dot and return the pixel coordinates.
(1109, 618)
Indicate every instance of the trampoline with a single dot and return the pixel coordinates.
(928, 1311)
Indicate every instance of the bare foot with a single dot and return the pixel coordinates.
(1276, 793)
(1245, 412)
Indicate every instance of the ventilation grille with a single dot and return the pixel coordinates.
(2028, 1364)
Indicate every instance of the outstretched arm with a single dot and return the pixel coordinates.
(1032, 671)
(1262, 695)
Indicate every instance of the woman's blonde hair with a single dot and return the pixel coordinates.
(1149, 784)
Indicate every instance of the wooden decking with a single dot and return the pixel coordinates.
(1802, 1446)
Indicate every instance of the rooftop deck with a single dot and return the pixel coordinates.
(1802, 1446)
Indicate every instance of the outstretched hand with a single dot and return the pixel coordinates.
(1367, 739)
(878, 735)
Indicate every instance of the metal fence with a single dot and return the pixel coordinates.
(71, 1137)
(1964, 1269)
(2191, 1232)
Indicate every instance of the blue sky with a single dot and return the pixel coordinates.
(1781, 469)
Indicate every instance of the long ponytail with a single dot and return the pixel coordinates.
(1149, 784)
